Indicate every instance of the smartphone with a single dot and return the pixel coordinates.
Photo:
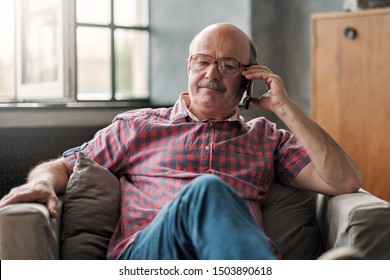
(249, 90)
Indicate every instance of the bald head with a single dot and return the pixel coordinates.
(223, 35)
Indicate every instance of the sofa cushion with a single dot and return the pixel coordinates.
(90, 211)
(289, 220)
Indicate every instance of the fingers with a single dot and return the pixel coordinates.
(20, 194)
(14, 196)
(52, 206)
(278, 95)
(32, 193)
(257, 72)
(261, 72)
(261, 102)
(257, 67)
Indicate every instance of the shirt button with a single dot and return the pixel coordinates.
(207, 148)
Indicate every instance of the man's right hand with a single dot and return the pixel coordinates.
(44, 182)
(34, 191)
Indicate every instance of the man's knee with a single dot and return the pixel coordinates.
(209, 184)
(208, 179)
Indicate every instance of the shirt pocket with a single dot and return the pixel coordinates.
(245, 163)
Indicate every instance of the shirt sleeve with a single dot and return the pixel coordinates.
(290, 157)
(108, 147)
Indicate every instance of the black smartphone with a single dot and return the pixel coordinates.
(249, 90)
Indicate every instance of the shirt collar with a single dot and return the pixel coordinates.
(183, 103)
(180, 113)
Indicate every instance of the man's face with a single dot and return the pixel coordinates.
(212, 95)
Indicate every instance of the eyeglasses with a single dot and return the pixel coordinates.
(227, 66)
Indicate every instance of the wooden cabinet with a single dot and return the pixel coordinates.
(351, 88)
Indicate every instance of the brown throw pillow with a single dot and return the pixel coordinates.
(289, 220)
(90, 212)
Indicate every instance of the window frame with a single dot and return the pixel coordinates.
(65, 90)
(112, 27)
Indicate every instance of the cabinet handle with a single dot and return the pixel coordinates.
(350, 33)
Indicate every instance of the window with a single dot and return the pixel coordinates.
(112, 49)
(7, 51)
(74, 50)
(39, 49)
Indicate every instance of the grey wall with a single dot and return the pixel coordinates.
(281, 30)
(173, 25)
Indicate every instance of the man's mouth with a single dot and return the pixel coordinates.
(212, 85)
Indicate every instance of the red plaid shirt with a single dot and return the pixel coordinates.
(156, 152)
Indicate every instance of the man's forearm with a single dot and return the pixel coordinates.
(54, 172)
(331, 162)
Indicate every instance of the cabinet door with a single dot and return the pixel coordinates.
(351, 89)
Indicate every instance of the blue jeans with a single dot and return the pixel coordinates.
(206, 220)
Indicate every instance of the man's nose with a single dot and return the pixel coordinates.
(213, 72)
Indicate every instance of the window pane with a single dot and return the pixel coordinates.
(131, 62)
(131, 12)
(7, 38)
(93, 11)
(40, 41)
(93, 63)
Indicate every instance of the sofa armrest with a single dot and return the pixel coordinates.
(27, 232)
(360, 221)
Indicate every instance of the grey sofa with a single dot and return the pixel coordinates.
(303, 225)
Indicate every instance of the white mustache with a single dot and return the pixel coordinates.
(212, 85)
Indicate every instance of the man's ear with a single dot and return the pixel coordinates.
(188, 67)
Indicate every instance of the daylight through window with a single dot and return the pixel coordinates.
(74, 50)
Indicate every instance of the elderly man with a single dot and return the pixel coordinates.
(193, 176)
